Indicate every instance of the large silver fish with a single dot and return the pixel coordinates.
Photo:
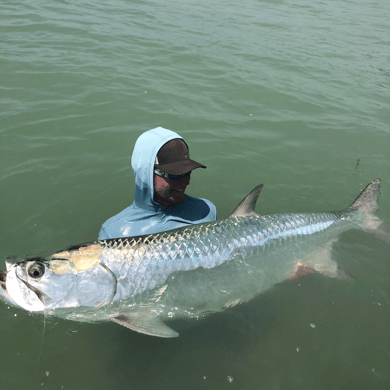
(140, 282)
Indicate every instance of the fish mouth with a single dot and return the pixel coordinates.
(3, 280)
(4, 296)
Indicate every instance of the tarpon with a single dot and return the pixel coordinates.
(140, 282)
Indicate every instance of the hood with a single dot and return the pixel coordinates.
(142, 161)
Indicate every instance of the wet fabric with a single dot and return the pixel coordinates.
(144, 216)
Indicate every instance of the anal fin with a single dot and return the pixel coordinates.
(146, 323)
(379, 229)
(320, 260)
(301, 270)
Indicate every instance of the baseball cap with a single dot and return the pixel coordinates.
(173, 158)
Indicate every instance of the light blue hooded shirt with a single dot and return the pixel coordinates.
(145, 216)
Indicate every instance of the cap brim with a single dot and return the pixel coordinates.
(179, 167)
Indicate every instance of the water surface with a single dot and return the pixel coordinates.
(293, 94)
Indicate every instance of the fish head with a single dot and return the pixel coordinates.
(67, 279)
(37, 284)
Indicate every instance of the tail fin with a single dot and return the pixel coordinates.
(367, 203)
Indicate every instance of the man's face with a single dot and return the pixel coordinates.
(169, 192)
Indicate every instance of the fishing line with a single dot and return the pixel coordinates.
(357, 164)
(40, 350)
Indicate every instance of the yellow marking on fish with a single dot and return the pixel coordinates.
(83, 258)
(60, 266)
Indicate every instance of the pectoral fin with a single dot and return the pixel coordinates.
(146, 323)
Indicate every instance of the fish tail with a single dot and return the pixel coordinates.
(367, 201)
(367, 204)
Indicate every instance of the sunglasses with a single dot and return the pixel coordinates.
(160, 173)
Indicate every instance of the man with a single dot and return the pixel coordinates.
(162, 169)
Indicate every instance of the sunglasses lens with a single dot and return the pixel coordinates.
(178, 177)
(171, 177)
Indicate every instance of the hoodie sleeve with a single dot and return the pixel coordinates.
(212, 216)
(102, 234)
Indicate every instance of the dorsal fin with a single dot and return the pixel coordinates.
(247, 205)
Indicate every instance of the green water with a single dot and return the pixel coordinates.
(292, 94)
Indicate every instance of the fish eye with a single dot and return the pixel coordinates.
(36, 270)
